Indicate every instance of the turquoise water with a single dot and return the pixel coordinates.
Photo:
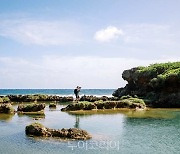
(120, 131)
(98, 92)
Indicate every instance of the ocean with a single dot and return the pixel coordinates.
(60, 92)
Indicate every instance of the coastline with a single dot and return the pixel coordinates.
(57, 92)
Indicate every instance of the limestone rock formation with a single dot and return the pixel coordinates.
(37, 129)
(130, 103)
(6, 108)
(38, 97)
(159, 84)
(35, 107)
(52, 105)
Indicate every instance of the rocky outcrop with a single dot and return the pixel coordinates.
(52, 98)
(95, 98)
(131, 103)
(38, 97)
(6, 108)
(159, 84)
(31, 107)
(4, 99)
(37, 129)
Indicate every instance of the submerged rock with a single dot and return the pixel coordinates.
(6, 108)
(37, 129)
(31, 107)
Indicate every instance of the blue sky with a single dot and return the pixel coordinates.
(61, 44)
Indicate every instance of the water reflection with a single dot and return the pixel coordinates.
(76, 125)
(6, 117)
(150, 113)
(33, 116)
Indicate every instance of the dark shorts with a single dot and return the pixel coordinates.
(77, 95)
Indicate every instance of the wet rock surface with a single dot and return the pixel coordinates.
(53, 98)
(52, 105)
(34, 107)
(37, 129)
(6, 108)
(95, 98)
(131, 103)
(38, 97)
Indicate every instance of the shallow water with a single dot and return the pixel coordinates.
(113, 131)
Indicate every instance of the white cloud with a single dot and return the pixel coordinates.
(108, 34)
(67, 72)
(41, 32)
(143, 41)
(154, 35)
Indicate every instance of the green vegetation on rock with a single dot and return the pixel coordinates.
(6, 108)
(160, 73)
(159, 84)
(37, 129)
(39, 97)
(52, 105)
(6, 99)
(133, 100)
(1, 100)
(122, 103)
(34, 107)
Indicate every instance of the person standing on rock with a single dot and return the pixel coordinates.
(76, 92)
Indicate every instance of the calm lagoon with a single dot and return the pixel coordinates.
(113, 131)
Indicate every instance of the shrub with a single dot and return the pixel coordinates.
(126, 97)
(132, 100)
(136, 100)
(160, 72)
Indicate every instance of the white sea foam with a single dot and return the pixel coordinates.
(71, 95)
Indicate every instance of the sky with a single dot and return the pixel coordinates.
(65, 43)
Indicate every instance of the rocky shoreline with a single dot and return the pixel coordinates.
(37, 98)
(52, 98)
(156, 86)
